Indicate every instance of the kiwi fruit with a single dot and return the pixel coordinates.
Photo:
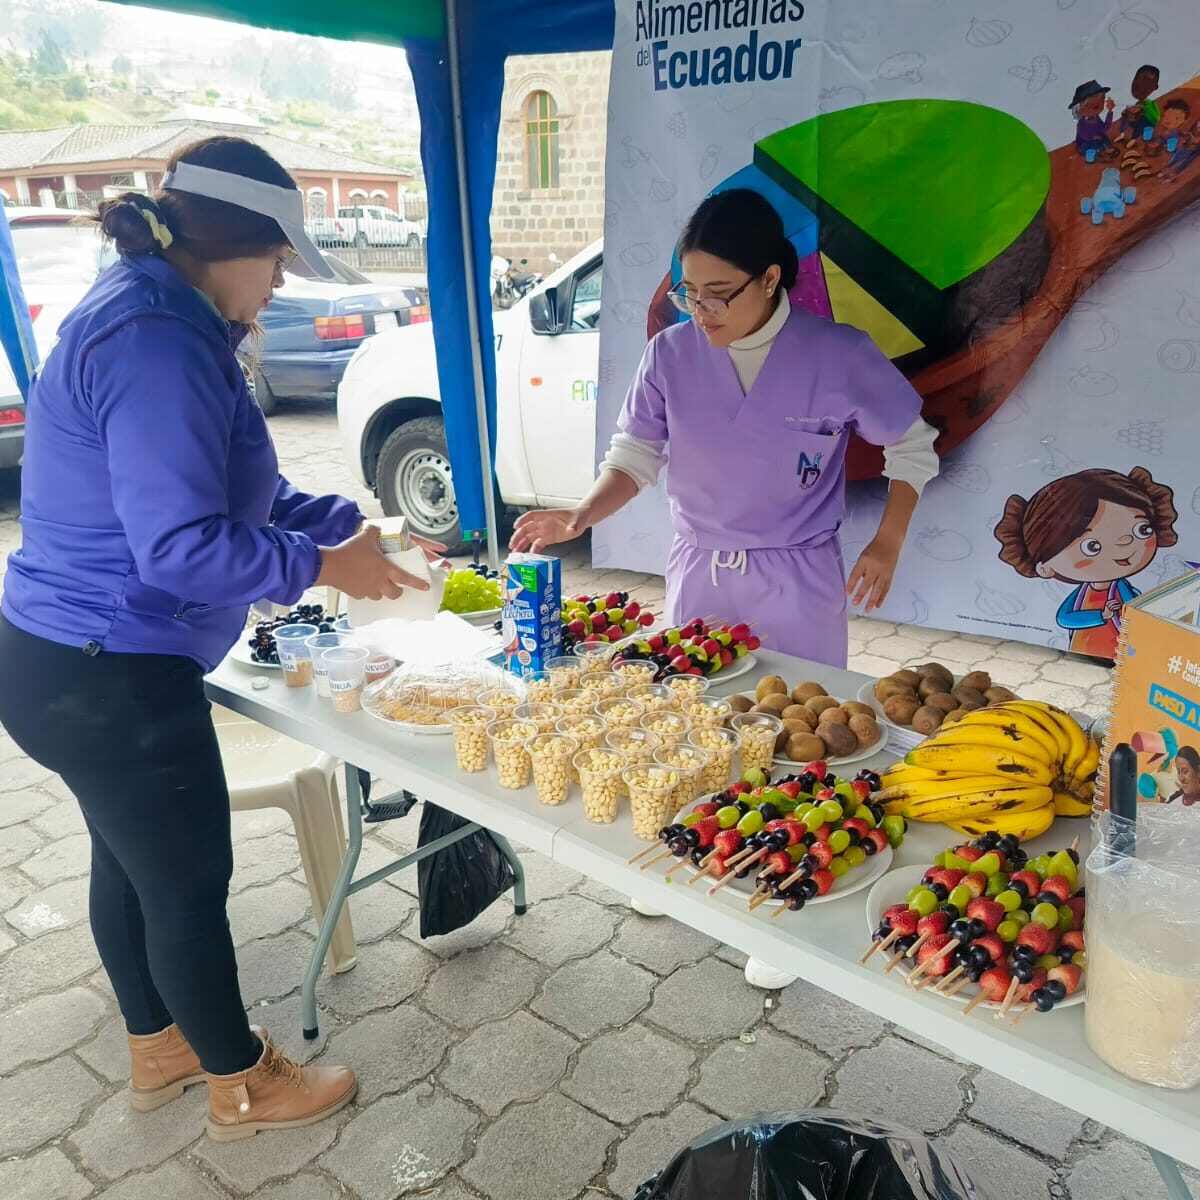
(802, 693)
(942, 700)
(979, 680)
(774, 703)
(908, 678)
(932, 684)
(936, 671)
(793, 727)
(885, 689)
(970, 696)
(799, 712)
(998, 695)
(901, 709)
(839, 739)
(770, 686)
(781, 743)
(927, 718)
(818, 704)
(836, 715)
(857, 709)
(865, 729)
(741, 704)
(804, 747)
(971, 705)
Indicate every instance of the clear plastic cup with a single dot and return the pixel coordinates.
(637, 745)
(654, 696)
(543, 716)
(594, 656)
(347, 669)
(575, 701)
(635, 673)
(620, 712)
(504, 700)
(565, 672)
(470, 727)
(757, 735)
(509, 748)
(550, 756)
(587, 729)
(599, 773)
(294, 655)
(671, 727)
(707, 710)
(686, 687)
(539, 687)
(721, 745)
(379, 666)
(317, 645)
(652, 791)
(604, 685)
(689, 764)
(342, 625)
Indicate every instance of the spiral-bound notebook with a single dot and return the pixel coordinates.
(1155, 703)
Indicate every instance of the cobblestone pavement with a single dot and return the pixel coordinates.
(564, 1054)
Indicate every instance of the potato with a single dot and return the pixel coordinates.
(865, 729)
(798, 712)
(802, 693)
(818, 704)
(969, 695)
(979, 680)
(901, 709)
(769, 686)
(741, 704)
(907, 678)
(838, 739)
(942, 700)
(999, 695)
(927, 719)
(857, 709)
(836, 715)
(804, 747)
(774, 704)
(885, 689)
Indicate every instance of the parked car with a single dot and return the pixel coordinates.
(367, 225)
(547, 354)
(57, 261)
(312, 328)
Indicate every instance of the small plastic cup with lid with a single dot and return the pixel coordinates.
(599, 773)
(653, 696)
(565, 672)
(707, 710)
(509, 748)
(620, 712)
(550, 755)
(291, 644)
(721, 745)
(347, 668)
(635, 672)
(317, 645)
(652, 798)
(757, 735)
(671, 727)
(543, 716)
(470, 727)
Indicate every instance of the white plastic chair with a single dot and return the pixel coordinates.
(264, 769)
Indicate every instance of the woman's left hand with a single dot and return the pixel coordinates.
(871, 579)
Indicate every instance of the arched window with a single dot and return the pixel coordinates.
(380, 194)
(541, 141)
(318, 205)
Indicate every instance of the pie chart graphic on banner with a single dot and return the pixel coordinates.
(948, 232)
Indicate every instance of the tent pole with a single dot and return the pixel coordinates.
(464, 212)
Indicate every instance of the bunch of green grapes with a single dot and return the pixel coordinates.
(469, 591)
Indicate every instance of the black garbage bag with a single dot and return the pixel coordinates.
(811, 1154)
(456, 884)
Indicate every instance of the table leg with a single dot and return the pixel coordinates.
(341, 889)
(1168, 1168)
(518, 870)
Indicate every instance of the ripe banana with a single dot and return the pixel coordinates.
(990, 803)
(1084, 776)
(1040, 715)
(1023, 825)
(1005, 718)
(1066, 804)
(1005, 764)
(937, 789)
(967, 733)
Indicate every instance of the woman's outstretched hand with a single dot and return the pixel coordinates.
(546, 527)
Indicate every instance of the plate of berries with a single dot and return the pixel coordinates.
(258, 650)
(985, 927)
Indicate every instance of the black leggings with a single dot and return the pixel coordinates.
(132, 737)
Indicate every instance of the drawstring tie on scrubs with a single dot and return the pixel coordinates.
(727, 560)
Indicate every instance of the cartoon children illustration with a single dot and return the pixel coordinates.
(1172, 125)
(1091, 129)
(1142, 115)
(1095, 529)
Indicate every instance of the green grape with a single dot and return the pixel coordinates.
(751, 823)
(831, 811)
(866, 816)
(1066, 919)
(839, 867)
(960, 897)
(940, 859)
(1008, 900)
(912, 891)
(1047, 962)
(813, 820)
(954, 863)
(803, 809)
(989, 864)
(691, 819)
(1020, 916)
(1046, 914)
(1079, 958)
(728, 816)
(1009, 931)
(856, 856)
(893, 826)
(996, 884)
(839, 839)
(924, 902)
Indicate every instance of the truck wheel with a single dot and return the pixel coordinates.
(360, 241)
(263, 394)
(413, 479)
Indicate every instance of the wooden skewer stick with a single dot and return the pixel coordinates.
(733, 871)
(651, 861)
(1030, 1007)
(976, 1001)
(1009, 997)
(759, 900)
(948, 979)
(958, 987)
(923, 982)
(642, 853)
(882, 944)
(779, 912)
(949, 948)
(893, 963)
(912, 950)
(706, 867)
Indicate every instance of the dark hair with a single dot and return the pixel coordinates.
(1180, 106)
(1189, 756)
(1147, 68)
(1034, 531)
(741, 227)
(210, 230)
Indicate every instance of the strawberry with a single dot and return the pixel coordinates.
(855, 825)
(878, 839)
(1030, 879)
(987, 911)
(822, 853)
(993, 945)
(1056, 889)
(781, 861)
(773, 826)
(792, 790)
(1074, 940)
(753, 643)
(824, 881)
(975, 882)
(795, 831)
(932, 953)
(937, 922)
(894, 911)
(1038, 938)
(708, 830)
(706, 810)
(818, 767)
(1078, 905)
(739, 789)
(1026, 990)
(1068, 975)
(716, 867)
(727, 843)
(825, 794)
(969, 853)
(907, 922)
(822, 834)
(994, 983)
(861, 789)
(947, 878)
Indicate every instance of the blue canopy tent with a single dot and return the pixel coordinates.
(456, 51)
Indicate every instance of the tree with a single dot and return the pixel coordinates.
(75, 89)
(212, 95)
(49, 58)
(122, 65)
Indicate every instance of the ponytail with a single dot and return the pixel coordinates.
(135, 224)
(741, 226)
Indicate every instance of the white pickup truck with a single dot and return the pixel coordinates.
(366, 225)
(547, 355)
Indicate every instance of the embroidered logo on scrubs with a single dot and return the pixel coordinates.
(809, 469)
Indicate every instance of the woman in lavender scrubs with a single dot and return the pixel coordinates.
(750, 406)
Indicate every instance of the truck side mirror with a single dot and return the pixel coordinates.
(543, 313)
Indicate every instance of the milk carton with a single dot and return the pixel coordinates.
(532, 614)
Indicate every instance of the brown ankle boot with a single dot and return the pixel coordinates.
(275, 1093)
(162, 1065)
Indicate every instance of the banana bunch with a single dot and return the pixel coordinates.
(1010, 768)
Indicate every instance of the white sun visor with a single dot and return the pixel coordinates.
(284, 205)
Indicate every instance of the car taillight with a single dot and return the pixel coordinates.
(340, 329)
(418, 314)
(34, 311)
(11, 416)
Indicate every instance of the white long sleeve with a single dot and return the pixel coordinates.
(641, 460)
(913, 459)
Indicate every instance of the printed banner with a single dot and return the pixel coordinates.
(1005, 199)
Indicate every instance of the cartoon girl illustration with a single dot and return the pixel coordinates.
(1187, 775)
(1095, 529)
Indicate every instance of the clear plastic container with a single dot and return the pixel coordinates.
(712, 711)
(565, 672)
(587, 729)
(379, 667)
(688, 763)
(757, 735)
(604, 685)
(721, 746)
(346, 667)
(635, 673)
(594, 656)
(504, 700)
(509, 748)
(600, 780)
(654, 696)
(471, 736)
(575, 702)
(317, 645)
(652, 792)
(291, 643)
(544, 716)
(671, 727)
(686, 687)
(637, 745)
(539, 687)
(550, 755)
(620, 712)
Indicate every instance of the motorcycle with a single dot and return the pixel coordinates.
(521, 282)
(501, 287)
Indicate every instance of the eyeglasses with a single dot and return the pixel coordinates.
(710, 306)
(286, 260)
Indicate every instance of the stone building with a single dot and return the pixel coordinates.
(549, 196)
